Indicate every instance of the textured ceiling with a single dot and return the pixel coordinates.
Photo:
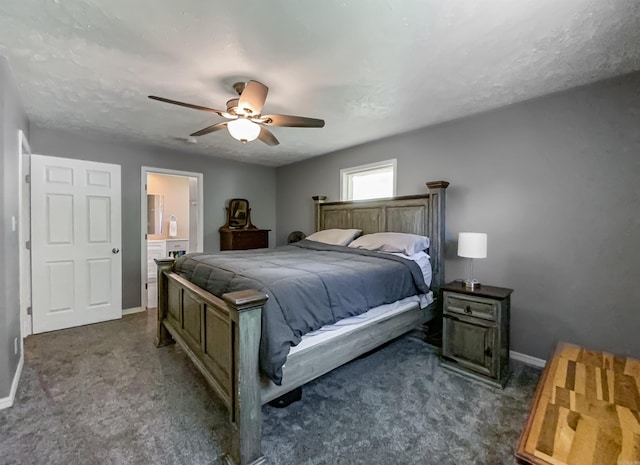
(370, 69)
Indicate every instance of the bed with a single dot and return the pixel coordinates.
(222, 335)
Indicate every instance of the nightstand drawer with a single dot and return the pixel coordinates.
(478, 307)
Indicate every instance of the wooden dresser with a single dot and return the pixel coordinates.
(243, 239)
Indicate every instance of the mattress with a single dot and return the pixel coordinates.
(347, 325)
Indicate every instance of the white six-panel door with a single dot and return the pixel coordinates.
(75, 242)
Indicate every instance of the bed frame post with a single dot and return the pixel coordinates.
(437, 197)
(163, 337)
(246, 421)
(317, 217)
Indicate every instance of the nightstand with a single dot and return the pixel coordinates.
(475, 339)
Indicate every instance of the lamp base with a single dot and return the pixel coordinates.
(471, 283)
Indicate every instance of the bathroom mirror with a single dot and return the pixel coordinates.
(155, 207)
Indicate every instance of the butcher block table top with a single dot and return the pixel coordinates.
(586, 411)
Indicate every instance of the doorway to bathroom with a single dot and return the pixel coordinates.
(171, 222)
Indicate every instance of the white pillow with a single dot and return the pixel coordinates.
(334, 236)
(422, 260)
(407, 244)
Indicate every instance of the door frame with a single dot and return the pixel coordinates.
(24, 235)
(145, 170)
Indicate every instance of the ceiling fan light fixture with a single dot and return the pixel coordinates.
(247, 123)
(243, 130)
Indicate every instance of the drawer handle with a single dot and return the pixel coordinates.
(467, 309)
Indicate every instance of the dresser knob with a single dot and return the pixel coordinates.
(467, 309)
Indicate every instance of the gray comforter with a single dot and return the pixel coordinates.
(309, 285)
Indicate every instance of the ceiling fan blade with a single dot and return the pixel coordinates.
(253, 97)
(267, 136)
(210, 129)
(292, 121)
(188, 105)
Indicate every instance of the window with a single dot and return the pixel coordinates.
(371, 181)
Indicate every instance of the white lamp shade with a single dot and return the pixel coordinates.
(472, 245)
(243, 129)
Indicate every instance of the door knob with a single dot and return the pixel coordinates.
(115, 250)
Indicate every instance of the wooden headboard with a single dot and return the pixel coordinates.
(415, 214)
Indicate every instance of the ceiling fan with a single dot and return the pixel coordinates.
(245, 112)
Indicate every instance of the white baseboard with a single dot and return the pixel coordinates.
(527, 359)
(6, 402)
(27, 325)
(132, 310)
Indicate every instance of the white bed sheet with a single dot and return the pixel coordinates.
(347, 325)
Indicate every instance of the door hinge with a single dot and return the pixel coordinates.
(29, 310)
(146, 286)
(145, 236)
(145, 187)
(28, 245)
(27, 178)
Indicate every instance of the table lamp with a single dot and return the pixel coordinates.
(472, 245)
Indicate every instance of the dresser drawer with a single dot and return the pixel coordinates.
(155, 249)
(176, 245)
(243, 239)
(250, 241)
(156, 246)
(152, 269)
(477, 307)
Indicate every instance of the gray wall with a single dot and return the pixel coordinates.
(12, 118)
(555, 182)
(222, 180)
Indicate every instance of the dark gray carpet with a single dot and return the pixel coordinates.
(102, 394)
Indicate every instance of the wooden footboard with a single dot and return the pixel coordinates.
(222, 338)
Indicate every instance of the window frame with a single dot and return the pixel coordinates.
(346, 174)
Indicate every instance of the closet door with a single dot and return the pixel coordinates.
(76, 241)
